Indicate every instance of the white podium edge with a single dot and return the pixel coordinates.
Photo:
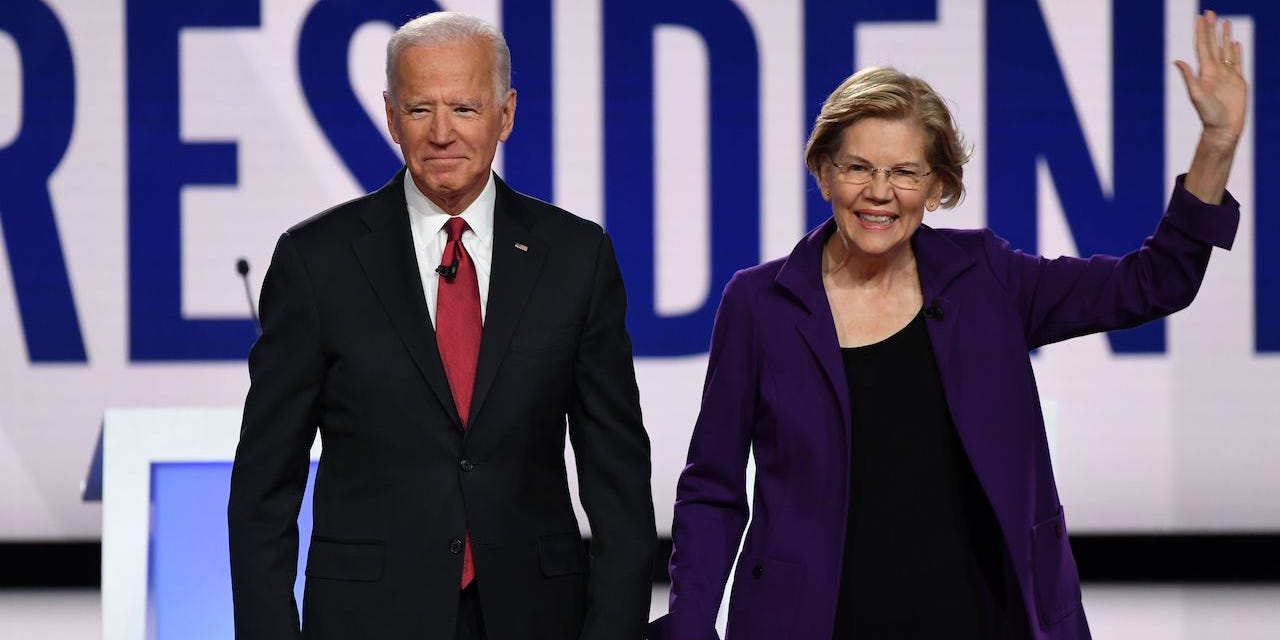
(133, 440)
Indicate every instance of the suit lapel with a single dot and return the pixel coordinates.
(386, 255)
(801, 276)
(513, 273)
(939, 262)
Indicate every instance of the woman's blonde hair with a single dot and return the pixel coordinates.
(884, 92)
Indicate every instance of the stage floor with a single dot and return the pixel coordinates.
(1121, 612)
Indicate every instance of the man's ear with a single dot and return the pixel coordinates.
(508, 114)
(391, 116)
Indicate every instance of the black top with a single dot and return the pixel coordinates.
(922, 548)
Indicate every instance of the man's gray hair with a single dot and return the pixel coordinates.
(445, 27)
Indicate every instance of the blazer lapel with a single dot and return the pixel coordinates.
(801, 276)
(517, 261)
(386, 255)
(940, 261)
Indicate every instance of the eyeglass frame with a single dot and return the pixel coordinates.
(843, 170)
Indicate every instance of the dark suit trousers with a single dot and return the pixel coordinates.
(470, 619)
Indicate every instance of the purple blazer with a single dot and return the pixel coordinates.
(776, 383)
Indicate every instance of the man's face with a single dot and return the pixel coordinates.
(443, 113)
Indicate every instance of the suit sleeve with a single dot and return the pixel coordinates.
(269, 475)
(612, 453)
(711, 509)
(1067, 297)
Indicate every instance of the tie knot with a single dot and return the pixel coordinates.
(454, 228)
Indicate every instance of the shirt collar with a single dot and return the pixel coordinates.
(479, 214)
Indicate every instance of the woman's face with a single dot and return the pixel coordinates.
(876, 219)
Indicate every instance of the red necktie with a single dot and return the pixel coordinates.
(458, 327)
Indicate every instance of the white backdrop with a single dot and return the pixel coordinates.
(1182, 440)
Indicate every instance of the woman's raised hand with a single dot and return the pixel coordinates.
(1220, 92)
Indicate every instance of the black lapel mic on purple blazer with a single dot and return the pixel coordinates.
(933, 311)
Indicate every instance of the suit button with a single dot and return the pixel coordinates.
(467, 465)
(757, 571)
(1057, 530)
(455, 546)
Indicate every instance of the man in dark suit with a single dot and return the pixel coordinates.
(438, 332)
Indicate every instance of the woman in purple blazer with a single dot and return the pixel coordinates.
(881, 374)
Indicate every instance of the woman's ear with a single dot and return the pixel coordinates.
(935, 197)
(824, 183)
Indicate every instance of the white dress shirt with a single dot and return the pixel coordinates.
(426, 222)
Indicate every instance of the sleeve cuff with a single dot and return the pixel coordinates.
(1213, 224)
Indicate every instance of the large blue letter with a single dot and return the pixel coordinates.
(40, 280)
(734, 120)
(829, 56)
(527, 159)
(1030, 118)
(322, 65)
(160, 165)
(1266, 132)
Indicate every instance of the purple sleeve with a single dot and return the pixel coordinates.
(1066, 297)
(711, 500)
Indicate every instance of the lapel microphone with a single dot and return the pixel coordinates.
(449, 272)
(932, 312)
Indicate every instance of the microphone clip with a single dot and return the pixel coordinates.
(448, 272)
(933, 311)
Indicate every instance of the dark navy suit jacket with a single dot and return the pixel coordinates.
(776, 384)
(348, 350)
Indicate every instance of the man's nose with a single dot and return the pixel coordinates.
(441, 131)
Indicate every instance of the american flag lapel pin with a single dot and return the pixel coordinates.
(522, 247)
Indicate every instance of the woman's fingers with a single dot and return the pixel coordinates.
(1188, 76)
(1204, 38)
